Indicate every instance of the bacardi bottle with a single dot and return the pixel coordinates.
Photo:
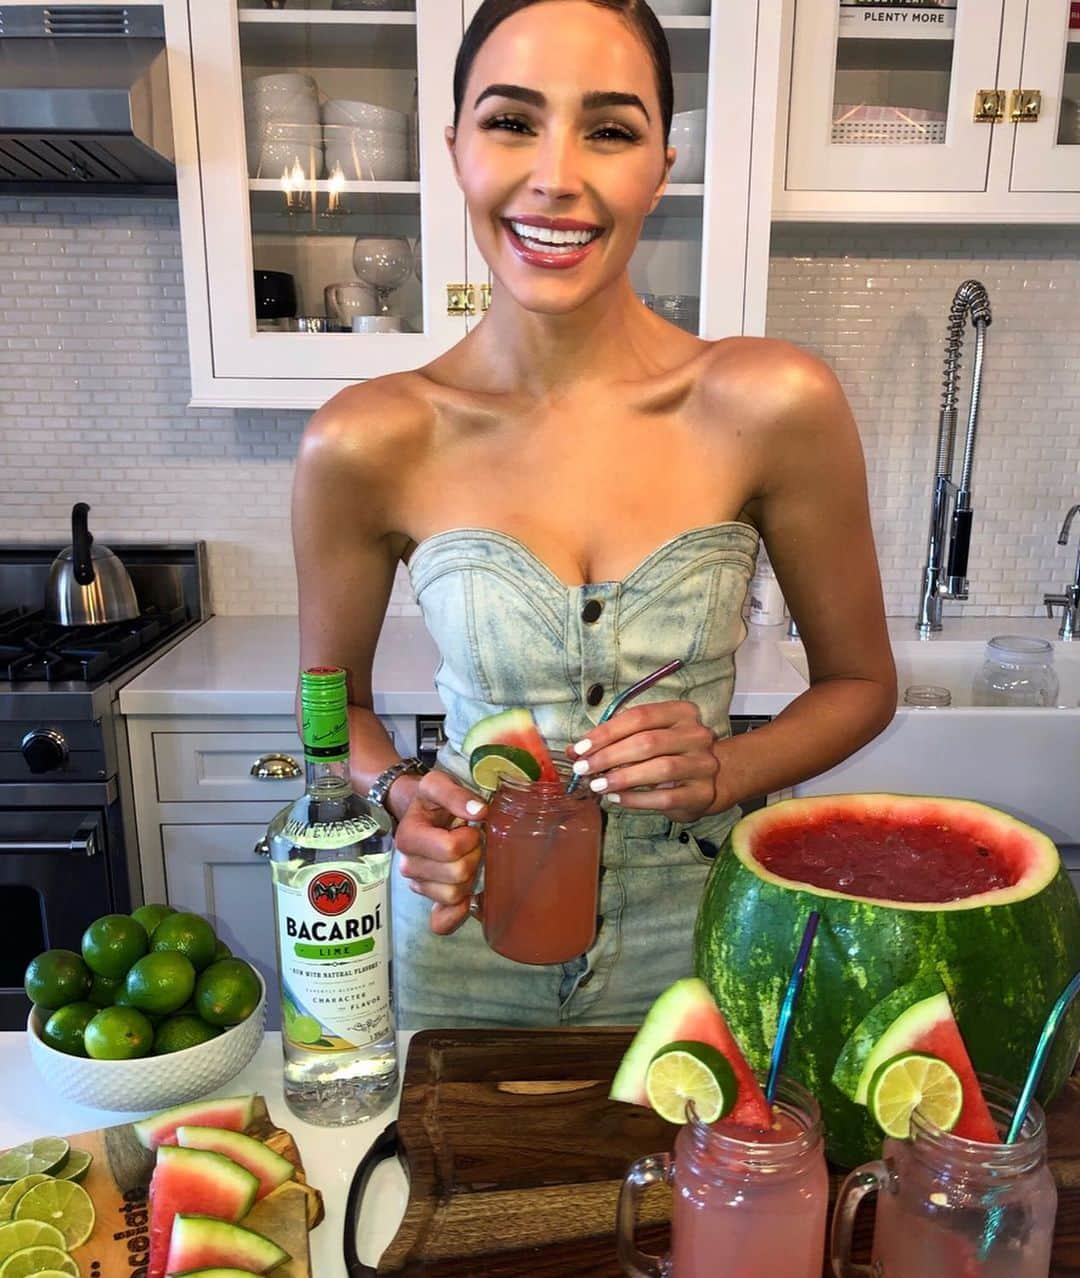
(330, 859)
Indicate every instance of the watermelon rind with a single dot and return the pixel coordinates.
(232, 1112)
(848, 1074)
(513, 727)
(907, 1029)
(1003, 956)
(196, 1239)
(193, 1181)
(218, 1272)
(265, 1164)
(659, 1028)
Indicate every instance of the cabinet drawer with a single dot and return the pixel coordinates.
(207, 767)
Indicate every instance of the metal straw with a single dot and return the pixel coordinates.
(787, 1008)
(624, 697)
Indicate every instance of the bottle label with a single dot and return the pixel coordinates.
(334, 947)
(337, 834)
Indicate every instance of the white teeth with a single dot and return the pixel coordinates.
(549, 237)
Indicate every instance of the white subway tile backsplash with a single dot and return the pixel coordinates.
(93, 369)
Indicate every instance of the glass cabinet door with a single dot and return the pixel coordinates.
(883, 94)
(1046, 150)
(332, 221)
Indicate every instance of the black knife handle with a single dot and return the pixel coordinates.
(386, 1146)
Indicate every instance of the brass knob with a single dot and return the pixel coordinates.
(276, 767)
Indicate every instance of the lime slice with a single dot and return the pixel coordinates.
(914, 1081)
(37, 1261)
(63, 1204)
(75, 1166)
(689, 1071)
(17, 1234)
(41, 1155)
(11, 1195)
(488, 763)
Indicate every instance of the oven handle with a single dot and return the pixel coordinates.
(84, 840)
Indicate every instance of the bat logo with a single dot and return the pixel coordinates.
(332, 892)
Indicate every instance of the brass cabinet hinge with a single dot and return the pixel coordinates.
(1025, 105)
(460, 299)
(989, 106)
(485, 296)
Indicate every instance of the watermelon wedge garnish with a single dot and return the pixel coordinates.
(912, 1020)
(231, 1112)
(193, 1181)
(688, 1011)
(199, 1242)
(515, 727)
(269, 1167)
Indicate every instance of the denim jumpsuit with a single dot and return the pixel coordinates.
(512, 633)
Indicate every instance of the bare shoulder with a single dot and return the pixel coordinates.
(367, 425)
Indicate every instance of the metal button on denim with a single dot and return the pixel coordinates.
(591, 612)
(595, 694)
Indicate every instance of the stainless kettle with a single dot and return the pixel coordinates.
(88, 585)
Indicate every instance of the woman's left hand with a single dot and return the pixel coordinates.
(662, 746)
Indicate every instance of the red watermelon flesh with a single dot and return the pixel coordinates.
(231, 1112)
(513, 727)
(193, 1181)
(688, 1011)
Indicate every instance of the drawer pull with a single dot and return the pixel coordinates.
(276, 767)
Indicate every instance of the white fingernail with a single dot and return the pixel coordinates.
(614, 798)
(474, 807)
(583, 746)
(600, 783)
(581, 767)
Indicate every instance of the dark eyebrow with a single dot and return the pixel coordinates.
(590, 101)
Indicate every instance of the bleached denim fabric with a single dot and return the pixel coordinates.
(511, 633)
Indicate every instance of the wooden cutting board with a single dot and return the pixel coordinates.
(118, 1180)
(515, 1157)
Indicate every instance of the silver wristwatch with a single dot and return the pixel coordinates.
(380, 787)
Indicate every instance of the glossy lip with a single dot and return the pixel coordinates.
(553, 223)
(550, 261)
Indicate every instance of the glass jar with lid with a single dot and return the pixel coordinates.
(1017, 670)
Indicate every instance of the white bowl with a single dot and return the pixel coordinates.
(366, 114)
(151, 1082)
(368, 162)
(273, 159)
(379, 324)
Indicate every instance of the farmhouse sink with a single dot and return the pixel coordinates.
(1023, 760)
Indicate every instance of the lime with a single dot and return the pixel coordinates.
(221, 950)
(488, 763)
(41, 1155)
(118, 1034)
(56, 978)
(65, 1027)
(17, 1234)
(187, 934)
(160, 983)
(75, 1166)
(175, 1033)
(104, 989)
(61, 1203)
(11, 1194)
(688, 1071)
(910, 1081)
(227, 992)
(38, 1260)
(151, 915)
(112, 943)
(304, 1029)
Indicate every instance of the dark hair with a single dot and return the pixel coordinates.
(637, 14)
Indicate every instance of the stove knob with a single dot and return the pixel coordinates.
(44, 750)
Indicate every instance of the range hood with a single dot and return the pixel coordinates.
(84, 100)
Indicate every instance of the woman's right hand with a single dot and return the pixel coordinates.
(439, 853)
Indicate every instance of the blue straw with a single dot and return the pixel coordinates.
(787, 1010)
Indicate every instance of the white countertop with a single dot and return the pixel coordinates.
(329, 1154)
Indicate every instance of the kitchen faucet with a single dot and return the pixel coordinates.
(1069, 599)
(945, 571)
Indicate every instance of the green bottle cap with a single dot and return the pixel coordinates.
(324, 707)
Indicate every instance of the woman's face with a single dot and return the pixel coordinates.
(559, 151)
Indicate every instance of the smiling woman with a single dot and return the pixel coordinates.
(579, 490)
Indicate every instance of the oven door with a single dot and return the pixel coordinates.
(54, 880)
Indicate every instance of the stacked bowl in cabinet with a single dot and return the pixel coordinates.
(282, 128)
(367, 142)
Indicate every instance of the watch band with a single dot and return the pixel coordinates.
(380, 787)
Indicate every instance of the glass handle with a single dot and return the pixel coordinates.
(862, 1181)
(652, 1170)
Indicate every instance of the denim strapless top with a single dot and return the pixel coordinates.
(511, 633)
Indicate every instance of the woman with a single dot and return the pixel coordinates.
(579, 488)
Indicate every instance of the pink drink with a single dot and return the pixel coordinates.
(747, 1205)
(541, 871)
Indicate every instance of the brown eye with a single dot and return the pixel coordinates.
(511, 123)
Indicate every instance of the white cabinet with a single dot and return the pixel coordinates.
(887, 111)
(273, 179)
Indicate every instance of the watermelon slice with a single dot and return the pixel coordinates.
(217, 1272)
(514, 727)
(270, 1168)
(232, 1112)
(200, 1242)
(193, 1181)
(927, 1024)
(686, 1010)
